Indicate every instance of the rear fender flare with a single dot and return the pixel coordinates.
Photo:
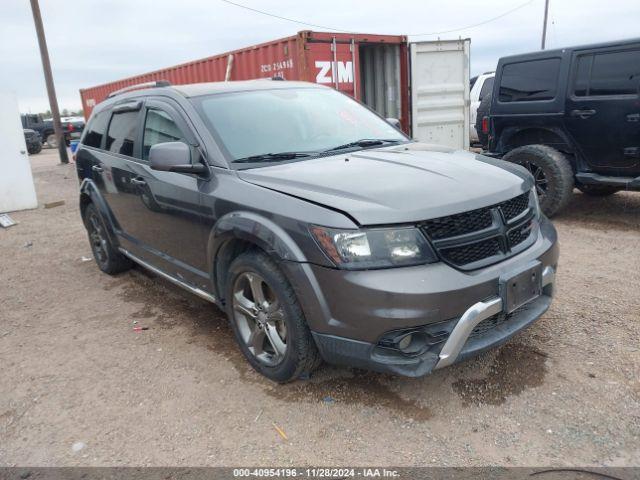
(89, 192)
(514, 137)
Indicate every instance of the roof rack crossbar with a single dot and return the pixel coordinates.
(139, 86)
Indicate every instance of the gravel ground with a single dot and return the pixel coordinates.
(80, 387)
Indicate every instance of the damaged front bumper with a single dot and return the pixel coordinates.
(360, 318)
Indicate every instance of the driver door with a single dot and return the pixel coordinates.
(169, 229)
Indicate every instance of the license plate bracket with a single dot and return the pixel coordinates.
(520, 287)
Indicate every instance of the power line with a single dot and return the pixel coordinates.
(284, 18)
(262, 12)
(508, 12)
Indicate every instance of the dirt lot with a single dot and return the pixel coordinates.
(80, 387)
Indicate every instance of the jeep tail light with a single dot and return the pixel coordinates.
(485, 125)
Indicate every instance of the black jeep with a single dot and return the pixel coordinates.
(572, 117)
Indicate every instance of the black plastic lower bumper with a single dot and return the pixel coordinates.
(370, 356)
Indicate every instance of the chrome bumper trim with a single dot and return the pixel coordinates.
(166, 276)
(472, 317)
(548, 276)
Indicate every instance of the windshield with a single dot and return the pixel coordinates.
(304, 120)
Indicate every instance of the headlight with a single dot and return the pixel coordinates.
(374, 248)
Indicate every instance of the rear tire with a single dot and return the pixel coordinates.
(267, 319)
(597, 190)
(552, 173)
(108, 258)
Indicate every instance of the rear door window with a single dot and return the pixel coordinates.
(122, 134)
(95, 130)
(529, 81)
(610, 73)
(159, 127)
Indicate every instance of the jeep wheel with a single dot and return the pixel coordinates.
(52, 141)
(597, 190)
(108, 258)
(267, 320)
(551, 171)
(35, 149)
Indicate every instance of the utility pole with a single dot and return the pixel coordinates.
(48, 77)
(544, 25)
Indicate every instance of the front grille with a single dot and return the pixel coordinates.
(519, 234)
(459, 224)
(474, 252)
(494, 321)
(514, 207)
(479, 237)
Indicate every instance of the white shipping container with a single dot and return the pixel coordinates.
(440, 92)
(17, 191)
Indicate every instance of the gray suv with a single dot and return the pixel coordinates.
(320, 229)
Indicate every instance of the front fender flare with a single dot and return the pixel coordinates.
(256, 229)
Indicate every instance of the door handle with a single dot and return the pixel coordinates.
(632, 152)
(633, 117)
(97, 168)
(138, 181)
(584, 114)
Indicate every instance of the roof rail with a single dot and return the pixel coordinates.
(139, 86)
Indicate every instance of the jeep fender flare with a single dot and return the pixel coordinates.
(89, 193)
(554, 137)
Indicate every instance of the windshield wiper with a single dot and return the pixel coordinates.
(272, 157)
(363, 142)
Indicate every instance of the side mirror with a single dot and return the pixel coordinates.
(394, 122)
(173, 157)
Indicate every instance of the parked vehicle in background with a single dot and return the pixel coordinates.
(572, 117)
(33, 141)
(322, 230)
(72, 127)
(482, 86)
(425, 85)
(44, 128)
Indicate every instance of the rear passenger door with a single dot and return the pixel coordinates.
(603, 109)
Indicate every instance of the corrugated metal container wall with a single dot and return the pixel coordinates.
(372, 68)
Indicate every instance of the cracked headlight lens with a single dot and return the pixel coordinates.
(374, 248)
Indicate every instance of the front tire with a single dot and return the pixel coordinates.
(35, 149)
(551, 172)
(598, 190)
(108, 258)
(52, 141)
(267, 319)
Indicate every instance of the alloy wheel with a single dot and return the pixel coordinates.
(98, 240)
(539, 178)
(260, 318)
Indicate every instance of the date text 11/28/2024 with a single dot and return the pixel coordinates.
(322, 472)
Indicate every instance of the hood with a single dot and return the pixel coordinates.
(400, 184)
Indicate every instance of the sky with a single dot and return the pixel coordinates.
(93, 42)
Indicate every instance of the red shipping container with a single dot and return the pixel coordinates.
(372, 68)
